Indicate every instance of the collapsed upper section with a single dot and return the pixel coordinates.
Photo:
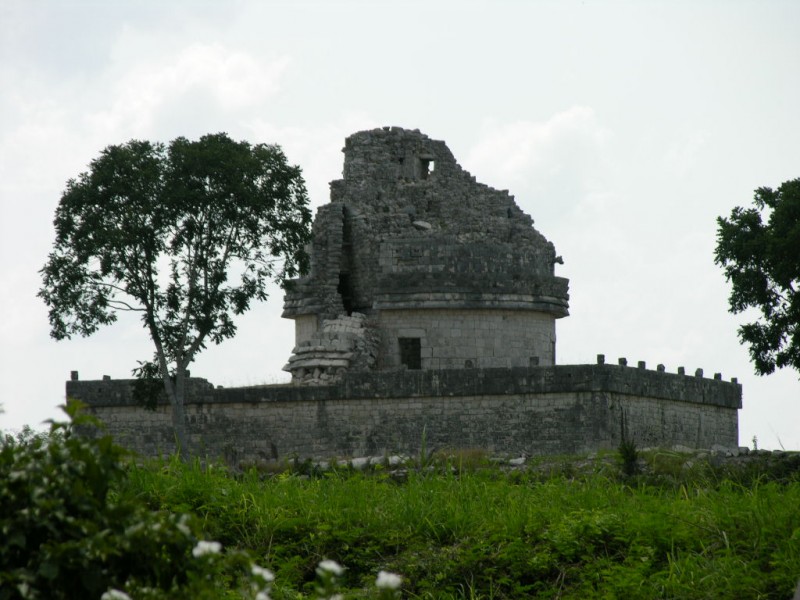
(408, 228)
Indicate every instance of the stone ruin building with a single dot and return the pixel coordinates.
(416, 265)
(427, 318)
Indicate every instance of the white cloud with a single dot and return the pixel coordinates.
(682, 156)
(317, 149)
(524, 150)
(52, 132)
(558, 169)
(228, 79)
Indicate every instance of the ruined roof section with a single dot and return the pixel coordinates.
(408, 227)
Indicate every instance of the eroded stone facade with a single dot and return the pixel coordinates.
(428, 318)
(563, 409)
(449, 272)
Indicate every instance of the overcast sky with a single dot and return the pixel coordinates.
(623, 128)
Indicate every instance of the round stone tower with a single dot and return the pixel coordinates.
(416, 265)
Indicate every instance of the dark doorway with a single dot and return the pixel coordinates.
(410, 354)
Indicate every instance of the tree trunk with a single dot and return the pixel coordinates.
(176, 400)
(176, 395)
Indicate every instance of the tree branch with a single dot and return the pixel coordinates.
(120, 305)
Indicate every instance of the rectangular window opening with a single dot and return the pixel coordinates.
(410, 353)
(426, 166)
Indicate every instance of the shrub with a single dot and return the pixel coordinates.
(65, 535)
(68, 532)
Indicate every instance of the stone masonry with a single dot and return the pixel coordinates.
(430, 310)
(532, 411)
(451, 273)
(342, 344)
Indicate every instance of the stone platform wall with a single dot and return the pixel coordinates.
(532, 411)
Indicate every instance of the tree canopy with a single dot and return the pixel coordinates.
(759, 249)
(186, 235)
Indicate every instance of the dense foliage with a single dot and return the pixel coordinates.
(80, 520)
(186, 236)
(762, 262)
(67, 534)
(454, 532)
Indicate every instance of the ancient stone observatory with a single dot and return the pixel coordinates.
(428, 318)
(434, 270)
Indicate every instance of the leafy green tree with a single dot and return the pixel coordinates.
(185, 235)
(762, 262)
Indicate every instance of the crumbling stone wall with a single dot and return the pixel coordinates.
(342, 344)
(409, 232)
(319, 296)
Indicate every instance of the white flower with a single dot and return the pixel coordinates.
(113, 594)
(204, 547)
(330, 566)
(388, 581)
(183, 527)
(263, 595)
(265, 574)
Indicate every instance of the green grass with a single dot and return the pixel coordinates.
(486, 533)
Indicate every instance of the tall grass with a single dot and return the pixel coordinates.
(488, 534)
